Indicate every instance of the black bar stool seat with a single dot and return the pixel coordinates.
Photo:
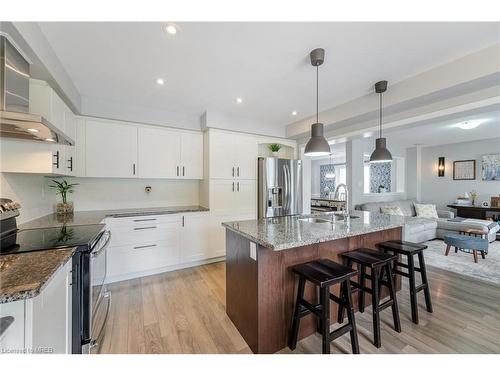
(324, 273)
(377, 263)
(410, 249)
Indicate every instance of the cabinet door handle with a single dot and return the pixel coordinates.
(56, 155)
(183, 174)
(133, 169)
(177, 171)
(70, 160)
(233, 186)
(183, 221)
(144, 246)
(136, 220)
(238, 171)
(238, 186)
(141, 228)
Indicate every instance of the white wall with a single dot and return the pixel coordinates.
(220, 120)
(443, 190)
(110, 193)
(31, 191)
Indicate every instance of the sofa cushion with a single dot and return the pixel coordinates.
(420, 225)
(392, 211)
(426, 210)
(405, 205)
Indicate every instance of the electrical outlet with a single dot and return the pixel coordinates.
(253, 250)
(148, 189)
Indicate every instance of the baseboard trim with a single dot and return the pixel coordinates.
(136, 275)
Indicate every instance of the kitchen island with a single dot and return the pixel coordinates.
(260, 288)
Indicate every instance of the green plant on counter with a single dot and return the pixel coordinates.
(274, 147)
(63, 188)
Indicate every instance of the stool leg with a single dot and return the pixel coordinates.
(392, 294)
(341, 308)
(474, 253)
(347, 297)
(413, 293)
(292, 344)
(483, 255)
(423, 273)
(325, 318)
(381, 278)
(361, 293)
(376, 308)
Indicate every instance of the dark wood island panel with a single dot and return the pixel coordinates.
(260, 293)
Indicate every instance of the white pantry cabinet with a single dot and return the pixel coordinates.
(232, 155)
(110, 149)
(166, 153)
(236, 196)
(42, 324)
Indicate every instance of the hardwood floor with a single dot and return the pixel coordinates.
(184, 312)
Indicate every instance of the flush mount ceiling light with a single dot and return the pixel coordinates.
(171, 29)
(50, 139)
(33, 130)
(317, 145)
(381, 154)
(160, 81)
(239, 100)
(294, 113)
(468, 125)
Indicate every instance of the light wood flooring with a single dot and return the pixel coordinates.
(184, 312)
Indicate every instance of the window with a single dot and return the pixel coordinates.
(380, 178)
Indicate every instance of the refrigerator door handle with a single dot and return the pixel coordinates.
(286, 193)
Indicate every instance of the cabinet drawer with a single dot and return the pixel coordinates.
(123, 260)
(144, 233)
(142, 220)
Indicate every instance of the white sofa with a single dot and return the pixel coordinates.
(423, 229)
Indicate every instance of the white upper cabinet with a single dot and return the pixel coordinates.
(166, 153)
(159, 153)
(44, 101)
(232, 155)
(110, 149)
(192, 155)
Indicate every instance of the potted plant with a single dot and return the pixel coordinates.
(274, 148)
(381, 189)
(62, 189)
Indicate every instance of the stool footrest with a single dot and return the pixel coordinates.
(308, 307)
(386, 304)
(420, 287)
(340, 331)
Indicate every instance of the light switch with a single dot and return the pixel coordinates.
(253, 250)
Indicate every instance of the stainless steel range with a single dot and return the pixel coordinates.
(90, 300)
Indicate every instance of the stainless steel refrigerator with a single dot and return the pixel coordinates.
(279, 187)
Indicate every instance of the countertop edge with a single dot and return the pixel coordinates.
(28, 294)
(306, 243)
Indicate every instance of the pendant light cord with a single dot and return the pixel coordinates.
(380, 121)
(317, 93)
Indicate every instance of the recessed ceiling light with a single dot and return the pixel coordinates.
(171, 29)
(32, 130)
(467, 125)
(239, 100)
(294, 113)
(367, 135)
(50, 139)
(160, 81)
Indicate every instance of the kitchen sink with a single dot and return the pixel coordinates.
(314, 220)
(341, 217)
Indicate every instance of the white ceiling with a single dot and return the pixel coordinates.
(208, 65)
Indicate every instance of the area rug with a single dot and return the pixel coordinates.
(486, 269)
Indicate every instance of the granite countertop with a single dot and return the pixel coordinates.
(95, 217)
(289, 231)
(24, 276)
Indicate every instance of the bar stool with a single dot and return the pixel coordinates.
(410, 249)
(324, 273)
(377, 263)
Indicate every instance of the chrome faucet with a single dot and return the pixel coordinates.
(337, 197)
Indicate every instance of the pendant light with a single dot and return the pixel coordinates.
(381, 154)
(317, 145)
(330, 175)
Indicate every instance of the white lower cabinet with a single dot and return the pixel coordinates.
(41, 324)
(146, 245)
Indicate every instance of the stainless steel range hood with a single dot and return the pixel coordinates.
(15, 119)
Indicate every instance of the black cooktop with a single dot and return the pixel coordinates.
(50, 238)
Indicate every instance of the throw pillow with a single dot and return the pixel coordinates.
(426, 210)
(392, 211)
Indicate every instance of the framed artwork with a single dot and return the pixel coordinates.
(491, 167)
(464, 170)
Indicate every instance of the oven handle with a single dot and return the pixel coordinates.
(95, 343)
(96, 253)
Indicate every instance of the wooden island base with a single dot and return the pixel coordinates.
(260, 294)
